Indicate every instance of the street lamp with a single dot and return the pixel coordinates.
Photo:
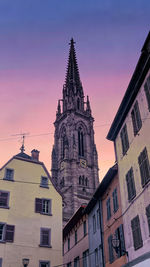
(25, 262)
(116, 245)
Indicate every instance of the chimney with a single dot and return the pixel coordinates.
(35, 154)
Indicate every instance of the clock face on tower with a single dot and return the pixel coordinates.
(83, 163)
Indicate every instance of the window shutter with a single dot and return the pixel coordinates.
(114, 204)
(134, 122)
(138, 116)
(9, 236)
(130, 184)
(122, 241)
(136, 231)
(3, 199)
(38, 205)
(140, 160)
(116, 198)
(144, 167)
(147, 92)
(111, 254)
(148, 216)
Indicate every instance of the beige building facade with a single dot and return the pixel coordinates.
(130, 133)
(30, 214)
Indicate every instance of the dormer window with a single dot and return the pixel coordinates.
(9, 174)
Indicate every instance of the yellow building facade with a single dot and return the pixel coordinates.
(130, 133)
(30, 214)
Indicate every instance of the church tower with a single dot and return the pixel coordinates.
(74, 155)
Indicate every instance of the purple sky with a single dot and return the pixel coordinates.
(34, 37)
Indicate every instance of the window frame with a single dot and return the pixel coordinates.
(39, 209)
(44, 262)
(42, 184)
(8, 197)
(110, 249)
(5, 175)
(49, 237)
(6, 233)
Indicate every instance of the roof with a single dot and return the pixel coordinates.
(73, 220)
(102, 187)
(25, 157)
(134, 86)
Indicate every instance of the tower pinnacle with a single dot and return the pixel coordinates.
(72, 81)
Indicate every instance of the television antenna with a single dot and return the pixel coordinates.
(22, 135)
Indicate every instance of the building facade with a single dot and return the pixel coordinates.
(74, 155)
(30, 214)
(95, 228)
(112, 220)
(75, 240)
(130, 133)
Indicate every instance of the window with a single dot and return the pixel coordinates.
(80, 142)
(115, 200)
(43, 206)
(0, 262)
(77, 262)
(84, 228)
(9, 174)
(108, 208)
(44, 264)
(124, 139)
(44, 182)
(68, 243)
(94, 224)
(148, 216)
(147, 91)
(130, 184)
(4, 197)
(136, 232)
(119, 234)
(6, 232)
(86, 258)
(75, 237)
(69, 264)
(98, 218)
(110, 249)
(136, 118)
(45, 240)
(96, 258)
(144, 167)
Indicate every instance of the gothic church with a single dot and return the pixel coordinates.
(74, 155)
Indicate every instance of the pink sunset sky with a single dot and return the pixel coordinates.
(33, 58)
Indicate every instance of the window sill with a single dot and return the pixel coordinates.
(47, 187)
(4, 207)
(45, 246)
(9, 180)
(2, 241)
(48, 214)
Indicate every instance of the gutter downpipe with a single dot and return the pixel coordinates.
(101, 232)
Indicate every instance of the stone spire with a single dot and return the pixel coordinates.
(72, 89)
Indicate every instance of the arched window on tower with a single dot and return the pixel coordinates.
(86, 181)
(78, 103)
(80, 180)
(80, 142)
